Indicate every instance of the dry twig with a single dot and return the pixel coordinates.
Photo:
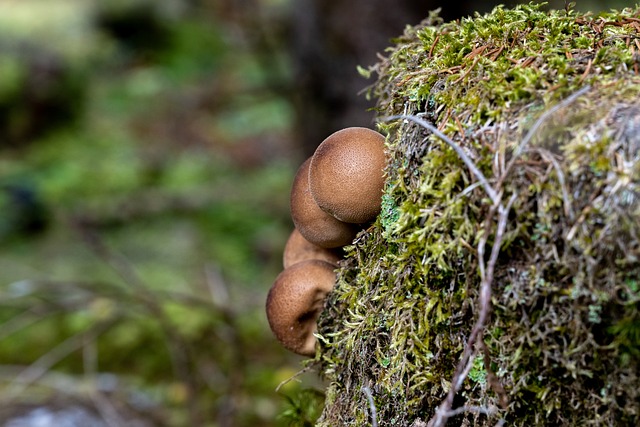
(293, 377)
(540, 121)
(40, 367)
(444, 411)
(459, 151)
(486, 273)
(177, 347)
(372, 406)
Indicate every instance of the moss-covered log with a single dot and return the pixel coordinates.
(514, 299)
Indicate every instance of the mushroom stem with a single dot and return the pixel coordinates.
(300, 249)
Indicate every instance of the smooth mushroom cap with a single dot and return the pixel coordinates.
(300, 249)
(315, 225)
(346, 175)
(295, 301)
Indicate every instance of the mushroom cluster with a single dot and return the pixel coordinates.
(335, 194)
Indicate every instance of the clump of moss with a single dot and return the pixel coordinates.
(562, 342)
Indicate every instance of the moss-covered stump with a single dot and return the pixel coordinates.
(514, 299)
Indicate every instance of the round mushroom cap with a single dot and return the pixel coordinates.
(346, 175)
(315, 225)
(300, 249)
(295, 301)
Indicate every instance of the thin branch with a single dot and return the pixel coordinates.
(20, 321)
(293, 377)
(40, 367)
(176, 345)
(462, 370)
(56, 381)
(492, 378)
(465, 372)
(493, 195)
(476, 409)
(543, 118)
(444, 411)
(218, 289)
(441, 416)
(568, 210)
(372, 406)
(221, 300)
(108, 413)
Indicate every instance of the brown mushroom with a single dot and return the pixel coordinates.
(300, 249)
(315, 225)
(346, 176)
(295, 301)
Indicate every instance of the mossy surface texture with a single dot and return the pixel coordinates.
(546, 105)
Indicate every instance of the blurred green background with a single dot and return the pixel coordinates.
(147, 150)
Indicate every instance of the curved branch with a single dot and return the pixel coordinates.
(493, 195)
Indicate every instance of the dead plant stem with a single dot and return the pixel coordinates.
(40, 367)
(372, 406)
(539, 122)
(176, 345)
(459, 151)
(486, 273)
(444, 411)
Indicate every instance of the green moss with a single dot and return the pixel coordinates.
(478, 374)
(389, 213)
(562, 340)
